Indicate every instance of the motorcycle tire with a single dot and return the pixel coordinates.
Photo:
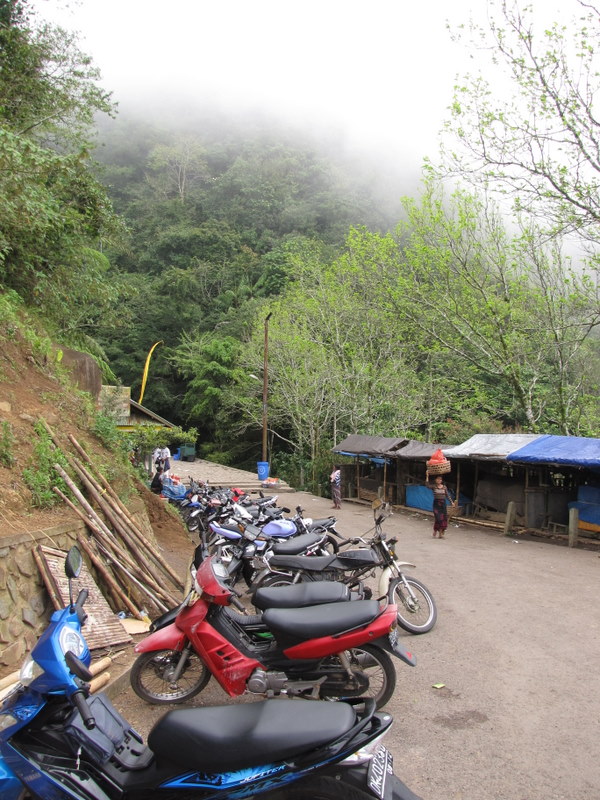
(193, 524)
(150, 677)
(276, 579)
(417, 615)
(375, 674)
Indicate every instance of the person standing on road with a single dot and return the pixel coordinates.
(335, 480)
(440, 496)
(165, 455)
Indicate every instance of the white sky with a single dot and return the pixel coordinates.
(382, 71)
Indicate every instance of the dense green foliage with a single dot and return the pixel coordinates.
(437, 327)
(53, 212)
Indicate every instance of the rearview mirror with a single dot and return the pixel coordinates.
(73, 563)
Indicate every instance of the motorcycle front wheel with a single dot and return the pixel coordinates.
(374, 676)
(151, 677)
(417, 612)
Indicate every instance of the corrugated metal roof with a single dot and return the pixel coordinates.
(491, 446)
(357, 444)
(414, 449)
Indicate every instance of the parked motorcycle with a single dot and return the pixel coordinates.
(241, 547)
(297, 652)
(57, 741)
(417, 612)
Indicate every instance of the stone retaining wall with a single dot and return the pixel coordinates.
(25, 606)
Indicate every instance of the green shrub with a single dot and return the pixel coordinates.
(40, 474)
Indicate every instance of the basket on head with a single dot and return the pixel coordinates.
(439, 468)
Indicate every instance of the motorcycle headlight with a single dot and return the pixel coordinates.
(29, 671)
(70, 639)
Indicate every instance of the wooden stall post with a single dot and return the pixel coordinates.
(384, 479)
(573, 527)
(509, 520)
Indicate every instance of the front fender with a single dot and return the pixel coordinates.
(169, 638)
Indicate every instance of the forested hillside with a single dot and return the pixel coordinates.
(435, 317)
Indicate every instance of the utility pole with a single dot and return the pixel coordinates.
(265, 388)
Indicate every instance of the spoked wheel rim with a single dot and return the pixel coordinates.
(375, 676)
(152, 677)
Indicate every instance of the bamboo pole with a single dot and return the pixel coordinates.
(135, 547)
(109, 578)
(159, 604)
(84, 503)
(155, 554)
(99, 666)
(109, 543)
(48, 579)
(134, 537)
(100, 682)
(114, 550)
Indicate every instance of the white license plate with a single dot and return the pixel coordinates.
(380, 766)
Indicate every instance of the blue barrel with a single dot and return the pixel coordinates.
(263, 470)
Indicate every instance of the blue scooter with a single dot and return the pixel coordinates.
(59, 743)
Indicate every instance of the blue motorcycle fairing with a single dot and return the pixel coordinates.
(225, 532)
(280, 527)
(49, 655)
(10, 786)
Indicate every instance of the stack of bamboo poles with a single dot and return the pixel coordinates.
(129, 566)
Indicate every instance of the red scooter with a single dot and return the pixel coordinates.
(333, 651)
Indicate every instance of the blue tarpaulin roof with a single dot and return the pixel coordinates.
(572, 451)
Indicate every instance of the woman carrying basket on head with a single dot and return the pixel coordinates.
(440, 495)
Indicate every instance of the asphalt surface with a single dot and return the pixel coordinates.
(516, 649)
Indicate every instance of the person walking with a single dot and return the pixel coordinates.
(440, 496)
(335, 480)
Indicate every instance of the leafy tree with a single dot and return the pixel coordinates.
(538, 140)
(53, 212)
(511, 309)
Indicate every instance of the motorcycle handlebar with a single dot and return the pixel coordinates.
(79, 603)
(235, 602)
(80, 702)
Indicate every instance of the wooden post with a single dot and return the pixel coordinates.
(573, 527)
(526, 497)
(458, 484)
(384, 479)
(509, 520)
(357, 479)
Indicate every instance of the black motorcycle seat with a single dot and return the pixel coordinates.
(311, 563)
(301, 595)
(225, 738)
(346, 559)
(313, 622)
(322, 523)
(296, 544)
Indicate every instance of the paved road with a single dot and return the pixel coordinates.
(517, 647)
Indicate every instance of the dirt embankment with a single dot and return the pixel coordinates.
(31, 391)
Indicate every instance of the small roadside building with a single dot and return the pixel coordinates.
(482, 473)
(383, 467)
(561, 473)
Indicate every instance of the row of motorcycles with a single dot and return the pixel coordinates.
(307, 628)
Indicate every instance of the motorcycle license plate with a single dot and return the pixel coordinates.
(380, 766)
(393, 640)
